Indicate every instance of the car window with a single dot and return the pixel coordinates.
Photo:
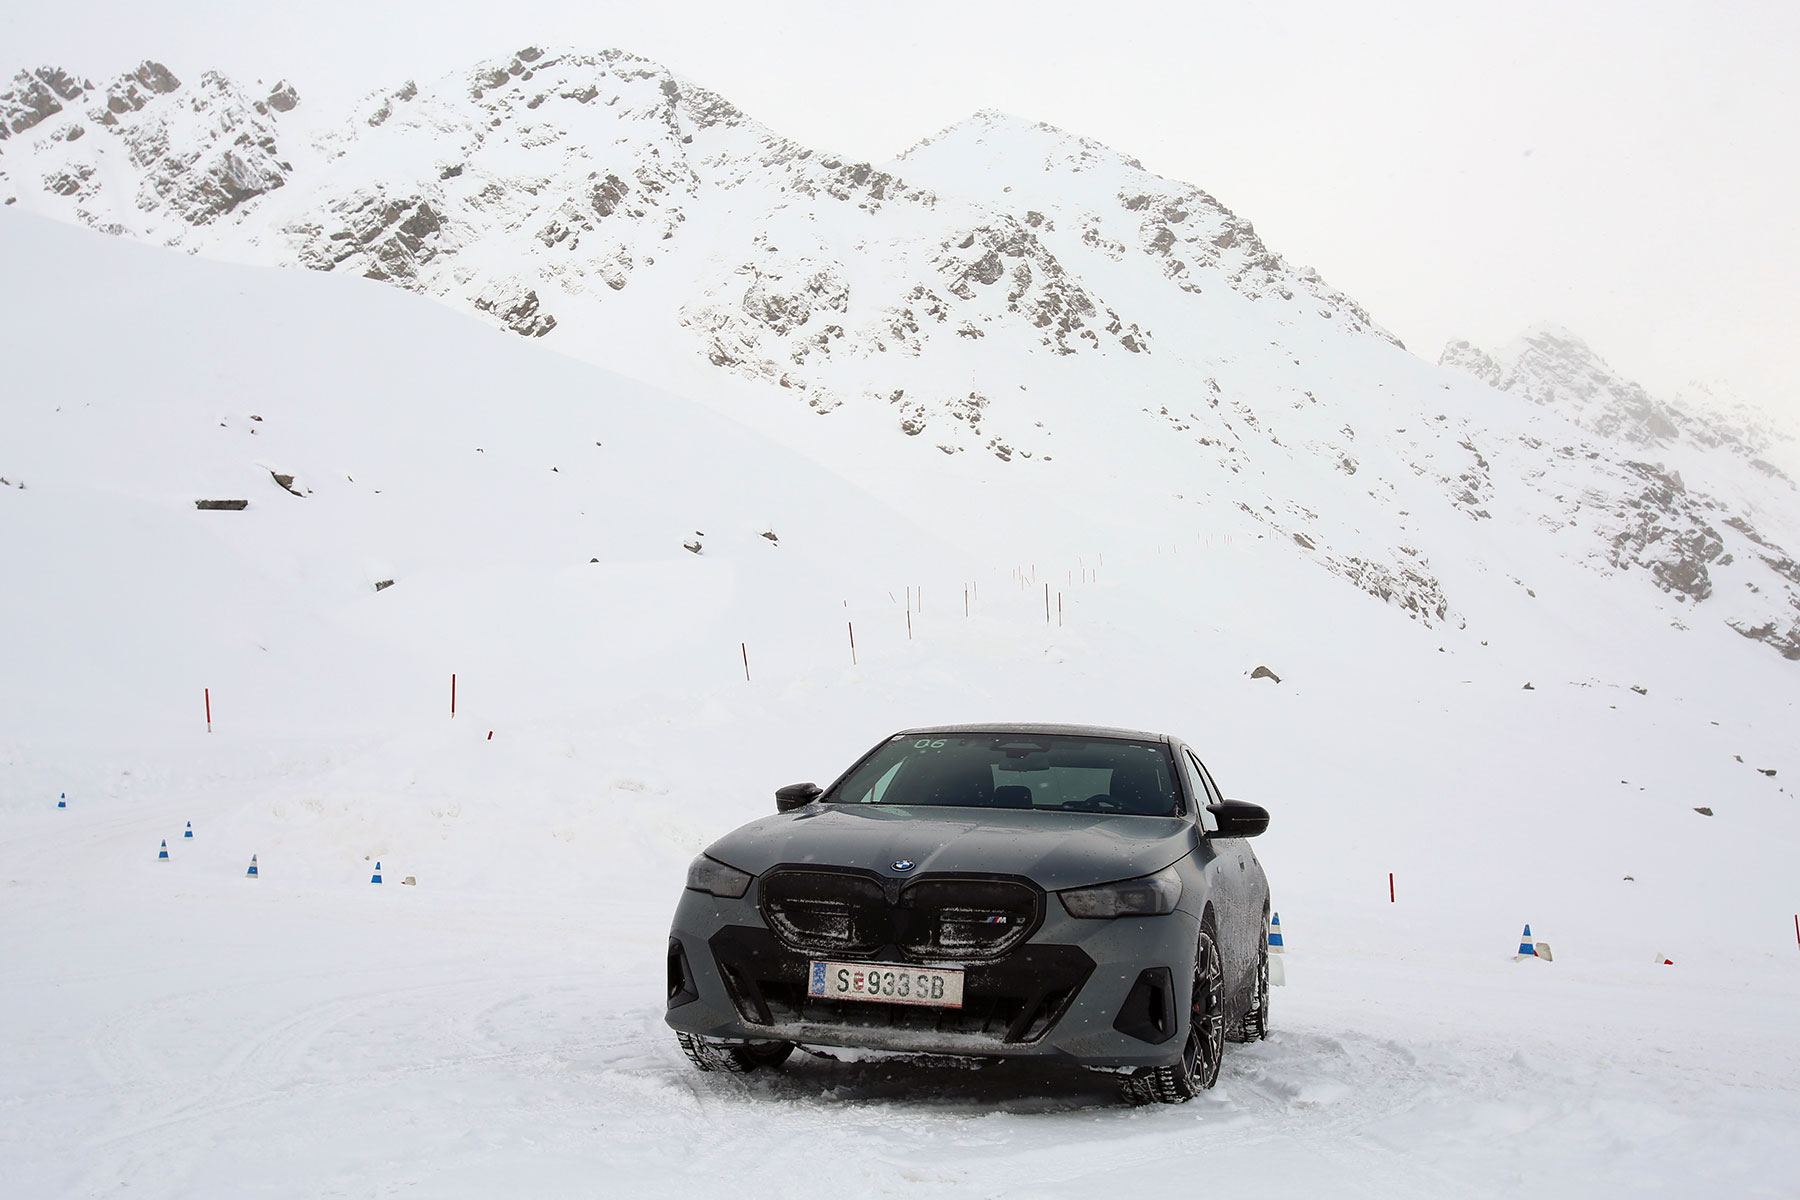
(1200, 786)
(878, 788)
(1004, 770)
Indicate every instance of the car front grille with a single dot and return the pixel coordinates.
(1012, 1000)
(931, 919)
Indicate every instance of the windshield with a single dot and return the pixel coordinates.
(1009, 770)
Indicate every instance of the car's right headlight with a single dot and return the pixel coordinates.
(715, 878)
(1145, 896)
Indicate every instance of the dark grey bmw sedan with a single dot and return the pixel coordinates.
(1065, 892)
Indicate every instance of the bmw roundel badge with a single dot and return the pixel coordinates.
(903, 865)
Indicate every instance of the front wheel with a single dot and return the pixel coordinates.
(1198, 1068)
(736, 1058)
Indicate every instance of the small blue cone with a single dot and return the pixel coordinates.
(1275, 946)
(376, 878)
(163, 854)
(63, 801)
(252, 871)
(190, 830)
(1526, 949)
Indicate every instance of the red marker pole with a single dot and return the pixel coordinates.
(746, 653)
(452, 694)
(1797, 927)
(1390, 887)
(852, 628)
(208, 692)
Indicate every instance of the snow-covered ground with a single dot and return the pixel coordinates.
(177, 1029)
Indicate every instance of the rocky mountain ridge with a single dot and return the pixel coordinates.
(1007, 296)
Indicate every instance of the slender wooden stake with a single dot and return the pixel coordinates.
(965, 602)
(208, 709)
(745, 650)
(1059, 610)
(909, 625)
(1046, 603)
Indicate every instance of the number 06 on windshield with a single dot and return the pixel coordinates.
(886, 984)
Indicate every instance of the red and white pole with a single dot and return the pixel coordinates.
(851, 626)
(208, 692)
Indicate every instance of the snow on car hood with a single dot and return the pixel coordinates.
(1055, 849)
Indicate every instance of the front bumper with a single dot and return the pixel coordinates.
(1067, 993)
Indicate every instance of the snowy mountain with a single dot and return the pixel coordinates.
(654, 604)
(1003, 289)
(1553, 367)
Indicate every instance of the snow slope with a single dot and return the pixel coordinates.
(180, 1030)
(1010, 301)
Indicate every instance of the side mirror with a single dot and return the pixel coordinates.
(1239, 818)
(797, 795)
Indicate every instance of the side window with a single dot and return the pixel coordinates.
(1212, 788)
(1201, 789)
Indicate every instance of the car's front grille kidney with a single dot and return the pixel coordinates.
(933, 919)
(826, 911)
(965, 918)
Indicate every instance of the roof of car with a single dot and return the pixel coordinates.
(1046, 730)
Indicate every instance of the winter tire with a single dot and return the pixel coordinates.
(1255, 1022)
(1198, 1067)
(735, 1058)
(1253, 1026)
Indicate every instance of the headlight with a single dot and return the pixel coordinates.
(1145, 896)
(712, 876)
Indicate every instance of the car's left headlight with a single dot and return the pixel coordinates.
(715, 878)
(1145, 896)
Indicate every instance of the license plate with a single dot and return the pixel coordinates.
(887, 984)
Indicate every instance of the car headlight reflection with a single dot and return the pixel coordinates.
(1145, 896)
(715, 878)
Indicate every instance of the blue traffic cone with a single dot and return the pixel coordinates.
(1526, 949)
(376, 878)
(1277, 953)
(252, 871)
(163, 854)
(190, 830)
(63, 800)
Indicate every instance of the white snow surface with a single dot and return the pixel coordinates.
(177, 1029)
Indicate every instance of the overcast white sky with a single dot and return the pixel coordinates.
(1627, 168)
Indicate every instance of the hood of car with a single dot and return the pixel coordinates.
(1054, 849)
